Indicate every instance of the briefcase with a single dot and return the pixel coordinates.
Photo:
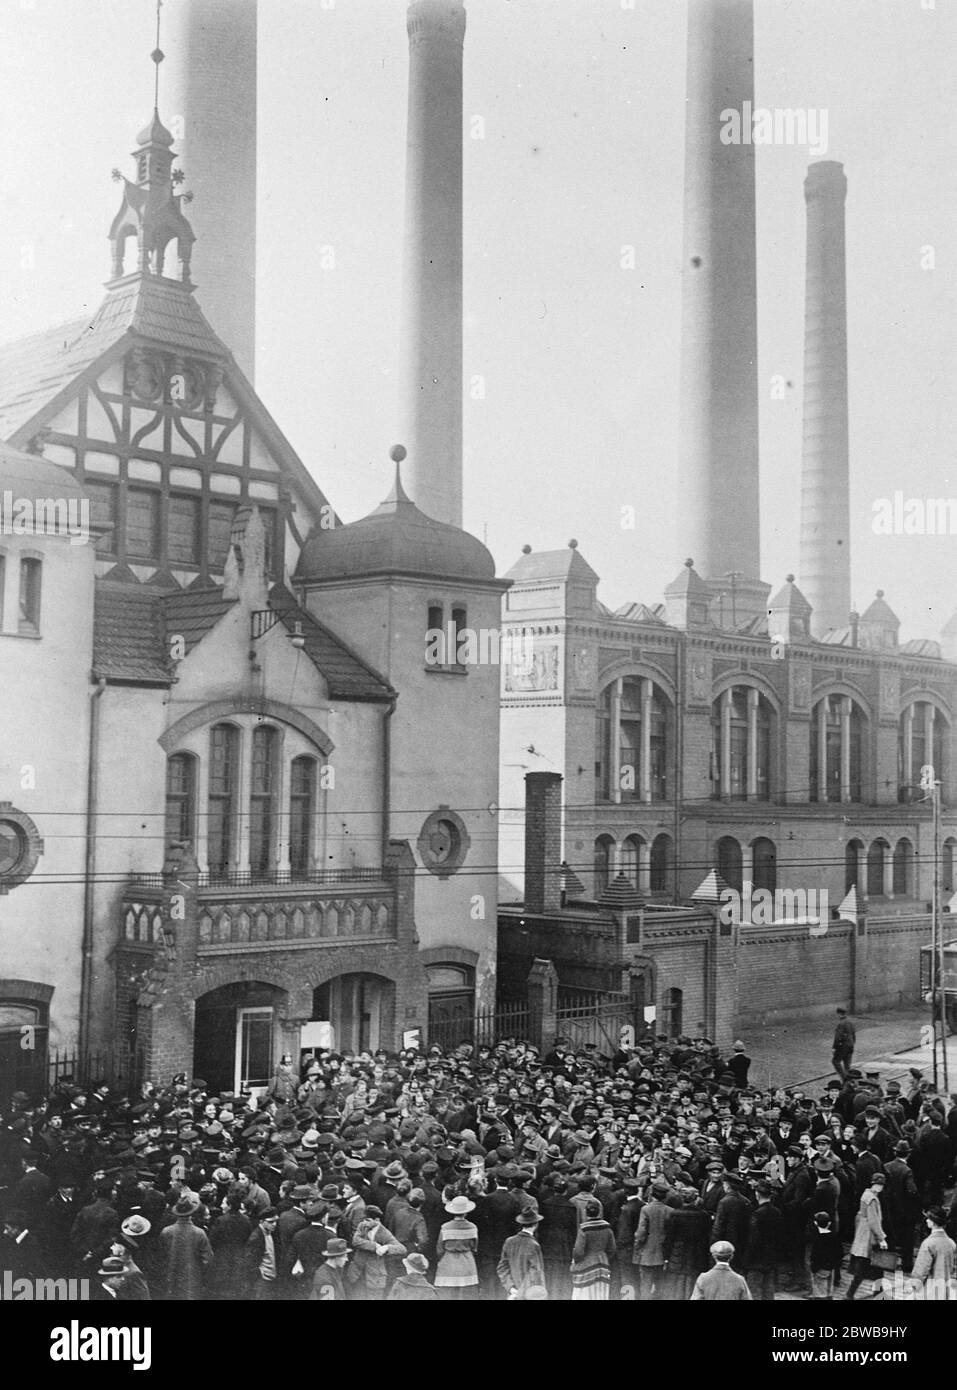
(884, 1259)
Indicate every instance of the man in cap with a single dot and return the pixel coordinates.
(721, 1283)
(651, 1241)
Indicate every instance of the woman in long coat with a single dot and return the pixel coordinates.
(373, 1244)
(456, 1275)
(868, 1232)
(592, 1255)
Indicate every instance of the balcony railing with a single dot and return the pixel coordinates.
(270, 878)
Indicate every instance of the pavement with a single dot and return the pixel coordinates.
(799, 1053)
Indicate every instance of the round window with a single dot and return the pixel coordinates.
(13, 847)
(443, 842)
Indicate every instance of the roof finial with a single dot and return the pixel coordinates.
(157, 56)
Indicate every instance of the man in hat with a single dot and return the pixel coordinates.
(521, 1265)
(651, 1241)
(842, 1048)
(732, 1216)
(327, 1282)
(413, 1286)
(185, 1253)
(764, 1249)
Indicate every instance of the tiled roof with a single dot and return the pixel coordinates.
(29, 475)
(34, 369)
(132, 627)
(194, 613)
(349, 677)
(155, 308)
(552, 564)
(128, 635)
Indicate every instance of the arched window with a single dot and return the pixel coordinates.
(835, 764)
(672, 1009)
(741, 720)
(875, 868)
(764, 864)
(661, 863)
(923, 737)
(223, 787)
(302, 814)
(263, 786)
(903, 868)
(633, 741)
(947, 865)
(729, 862)
(629, 860)
(181, 798)
(852, 860)
(604, 861)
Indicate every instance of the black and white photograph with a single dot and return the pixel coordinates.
(478, 669)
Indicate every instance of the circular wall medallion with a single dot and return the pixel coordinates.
(443, 842)
(20, 847)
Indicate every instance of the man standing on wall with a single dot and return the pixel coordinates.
(844, 1040)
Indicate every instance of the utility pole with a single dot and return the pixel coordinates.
(929, 783)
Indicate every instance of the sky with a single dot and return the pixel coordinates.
(582, 106)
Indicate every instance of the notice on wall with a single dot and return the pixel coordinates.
(651, 1013)
(317, 1035)
(412, 1037)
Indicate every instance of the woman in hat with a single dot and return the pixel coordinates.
(592, 1255)
(456, 1274)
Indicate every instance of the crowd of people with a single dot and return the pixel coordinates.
(656, 1173)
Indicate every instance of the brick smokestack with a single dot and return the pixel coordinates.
(208, 100)
(543, 841)
(718, 493)
(825, 564)
(430, 349)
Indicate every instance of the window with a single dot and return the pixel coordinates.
(142, 524)
(103, 514)
(835, 749)
(632, 733)
(459, 624)
(302, 806)
(875, 868)
(183, 543)
(274, 550)
(852, 859)
(922, 739)
(947, 865)
(729, 862)
(31, 571)
(262, 798)
(902, 868)
(604, 862)
(180, 798)
(764, 864)
(672, 1010)
(223, 779)
(630, 860)
(741, 745)
(660, 863)
(221, 516)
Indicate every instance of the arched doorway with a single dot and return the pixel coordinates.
(236, 1041)
(451, 1003)
(360, 1008)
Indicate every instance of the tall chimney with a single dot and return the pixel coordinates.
(430, 350)
(543, 842)
(208, 100)
(718, 495)
(825, 560)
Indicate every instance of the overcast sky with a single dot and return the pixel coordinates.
(583, 104)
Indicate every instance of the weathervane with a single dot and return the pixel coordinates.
(157, 55)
